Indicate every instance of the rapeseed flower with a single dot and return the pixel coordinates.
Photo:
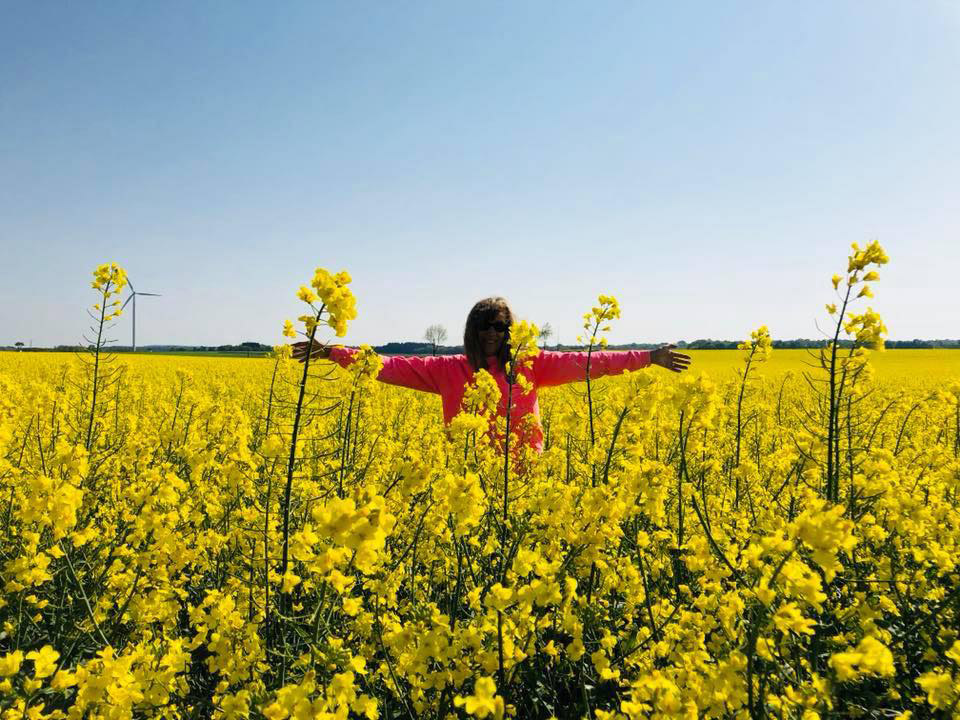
(484, 701)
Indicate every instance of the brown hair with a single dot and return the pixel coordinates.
(485, 311)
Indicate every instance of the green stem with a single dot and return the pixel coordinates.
(96, 366)
(832, 472)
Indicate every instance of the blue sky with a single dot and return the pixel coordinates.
(707, 163)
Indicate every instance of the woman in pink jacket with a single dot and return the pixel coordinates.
(486, 343)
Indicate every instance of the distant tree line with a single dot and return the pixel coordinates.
(417, 348)
(800, 343)
(252, 347)
(922, 343)
(244, 347)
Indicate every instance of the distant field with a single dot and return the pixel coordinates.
(891, 364)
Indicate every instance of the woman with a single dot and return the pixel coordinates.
(486, 343)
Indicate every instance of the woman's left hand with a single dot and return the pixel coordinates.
(669, 358)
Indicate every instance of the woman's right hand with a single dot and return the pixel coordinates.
(319, 351)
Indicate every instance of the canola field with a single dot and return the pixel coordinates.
(758, 537)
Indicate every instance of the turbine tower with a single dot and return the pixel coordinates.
(133, 296)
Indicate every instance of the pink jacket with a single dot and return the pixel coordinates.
(448, 375)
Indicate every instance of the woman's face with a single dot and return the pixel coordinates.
(491, 338)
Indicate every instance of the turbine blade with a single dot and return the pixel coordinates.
(132, 288)
(150, 294)
(125, 302)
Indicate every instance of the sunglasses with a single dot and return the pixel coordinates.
(498, 326)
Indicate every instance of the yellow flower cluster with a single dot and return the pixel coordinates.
(867, 328)
(870, 657)
(598, 320)
(365, 368)
(336, 297)
(759, 346)
(825, 531)
(362, 530)
(873, 254)
(338, 306)
(464, 498)
(523, 348)
(109, 279)
(482, 395)
(484, 702)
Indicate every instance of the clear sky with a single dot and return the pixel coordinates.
(708, 163)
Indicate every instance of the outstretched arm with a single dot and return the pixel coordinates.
(557, 368)
(417, 373)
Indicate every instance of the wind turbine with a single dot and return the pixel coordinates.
(133, 296)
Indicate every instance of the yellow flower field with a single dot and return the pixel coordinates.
(192, 537)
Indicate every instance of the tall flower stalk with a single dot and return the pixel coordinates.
(756, 350)
(109, 280)
(294, 433)
(594, 322)
(523, 348)
(865, 330)
(337, 306)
